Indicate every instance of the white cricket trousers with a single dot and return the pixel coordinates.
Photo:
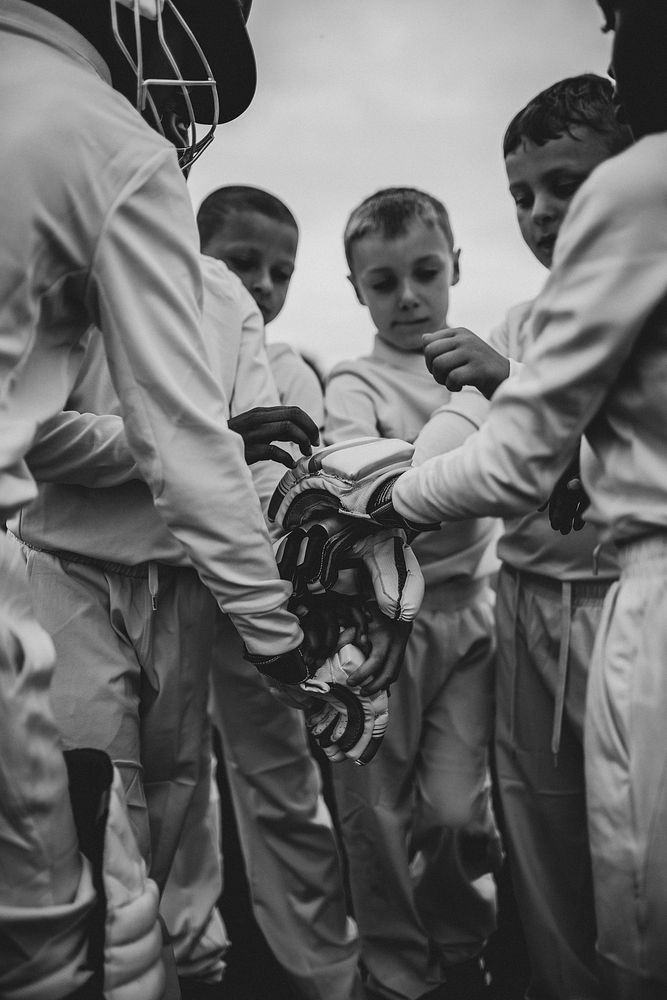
(626, 775)
(417, 821)
(285, 829)
(46, 889)
(546, 632)
(133, 660)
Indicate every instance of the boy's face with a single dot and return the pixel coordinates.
(405, 282)
(261, 251)
(544, 179)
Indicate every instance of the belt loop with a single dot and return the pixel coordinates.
(561, 674)
(153, 583)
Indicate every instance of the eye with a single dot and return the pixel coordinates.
(242, 263)
(567, 188)
(522, 200)
(426, 274)
(384, 286)
(281, 277)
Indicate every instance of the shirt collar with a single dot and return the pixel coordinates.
(411, 361)
(21, 17)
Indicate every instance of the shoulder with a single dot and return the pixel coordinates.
(286, 362)
(362, 368)
(633, 182)
(219, 280)
(280, 350)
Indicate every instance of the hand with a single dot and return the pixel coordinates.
(323, 618)
(263, 424)
(354, 478)
(346, 722)
(312, 556)
(384, 645)
(568, 501)
(456, 357)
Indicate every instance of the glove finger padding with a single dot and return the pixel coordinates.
(353, 478)
(312, 556)
(346, 723)
(395, 573)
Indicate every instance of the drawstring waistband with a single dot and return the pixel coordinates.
(153, 583)
(561, 672)
(138, 571)
(567, 592)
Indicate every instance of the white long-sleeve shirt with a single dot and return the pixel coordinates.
(598, 366)
(529, 542)
(297, 383)
(77, 508)
(391, 394)
(98, 228)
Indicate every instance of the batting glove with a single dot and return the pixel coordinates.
(354, 478)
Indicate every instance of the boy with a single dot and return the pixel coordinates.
(80, 243)
(273, 780)
(598, 365)
(551, 586)
(256, 235)
(423, 894)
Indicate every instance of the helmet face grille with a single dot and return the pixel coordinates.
(178, 84)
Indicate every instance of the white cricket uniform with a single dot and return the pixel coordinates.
(433, 905)
(297, 383)
(95, 202)
(144, 698)
(551, 590)
(95, 213)
(599, 366)
(285, 830)
(321, 955)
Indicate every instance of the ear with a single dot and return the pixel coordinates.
(456, 267)
(360, 297)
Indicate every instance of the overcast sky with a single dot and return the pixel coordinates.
(355, 95)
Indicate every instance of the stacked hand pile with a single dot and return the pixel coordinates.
(356, 583)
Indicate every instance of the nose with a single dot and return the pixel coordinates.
(544, 210)
(407, 295)
(262, 281)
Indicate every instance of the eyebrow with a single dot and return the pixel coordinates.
(420, 260)
(550, 174)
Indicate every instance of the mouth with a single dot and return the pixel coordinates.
(547, 243)
(411, 322)
(265, 310)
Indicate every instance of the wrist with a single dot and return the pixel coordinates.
(288, 668)
(381, 509)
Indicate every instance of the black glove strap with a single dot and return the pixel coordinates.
(288, 668)
(381, 509)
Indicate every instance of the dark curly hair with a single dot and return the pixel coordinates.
(219, 204)
(586, 100)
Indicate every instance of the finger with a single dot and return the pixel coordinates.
(298, 423)
(345, 636)
(383, 664)
(437, 335)
(260, 417)
(440, 349)
(272, 453)
(300, 418)
(290, 430)
(277, 430)
(449, 371)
